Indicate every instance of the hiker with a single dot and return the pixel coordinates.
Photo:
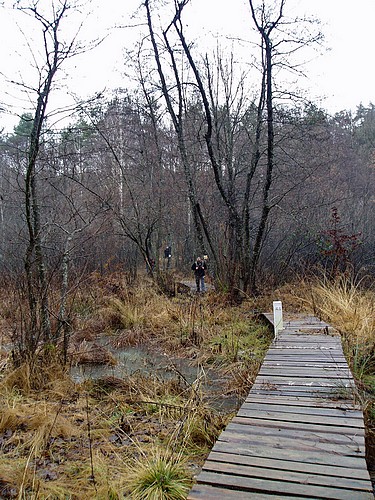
(199, 267)
(167, 257)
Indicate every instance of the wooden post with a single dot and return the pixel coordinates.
(277, 317)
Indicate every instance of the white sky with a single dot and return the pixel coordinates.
(339, 78)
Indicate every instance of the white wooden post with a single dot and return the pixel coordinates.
(277, 316)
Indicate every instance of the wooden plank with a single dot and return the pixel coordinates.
(322, 354)
(295, 343)
(301, 401)
(298, 426)
(292, 363)
(303, 355)
(327, 392)
(302, 408)
(305, 371)
(304, 359)
(304, 343)
(318, 353)
(309, 331)
(282, 487)
(289, 465)
(307, 347)
(284, 475)
(297, 361)
(279, 349)
(303, 336)
(335, 389)
(278, 359)
(291, 443)
(302, 418)
(305, 433)
(324, 392)
(309, 380)
(305, 365)
(330, 348)
(212, 492)
(303, 456)
(311, 427)
(304, 381)
(299, 380)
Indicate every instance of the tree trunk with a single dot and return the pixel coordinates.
(177, 124)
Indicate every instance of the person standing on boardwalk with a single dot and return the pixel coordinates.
(199, 267)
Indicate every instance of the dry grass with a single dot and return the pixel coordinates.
(46, 443)
(45, 448)
(59, 439)
(350, 308)
(344, 304)
(92, 353)
(157, 476)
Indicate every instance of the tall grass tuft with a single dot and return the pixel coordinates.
(347, 305)
(159, 476)
(350, 308)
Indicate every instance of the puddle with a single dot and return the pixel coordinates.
(133, 360)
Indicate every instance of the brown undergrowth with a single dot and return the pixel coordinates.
(86, 440)
(112, 437)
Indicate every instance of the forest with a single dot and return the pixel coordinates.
(195, 157)
(103, 213)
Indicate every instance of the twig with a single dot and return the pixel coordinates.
(92, 477)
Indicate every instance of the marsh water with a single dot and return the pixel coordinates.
(140, 360)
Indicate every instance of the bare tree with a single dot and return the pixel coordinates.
(55, 50)
(278, 42)
(225, 178)
(281, 39)
(177, 118)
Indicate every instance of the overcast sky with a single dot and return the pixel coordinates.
(339, 78)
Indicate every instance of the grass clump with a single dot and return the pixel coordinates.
(158, 476)
(241, 340)
(350, 308)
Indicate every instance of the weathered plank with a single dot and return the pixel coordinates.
(329, 392)
(302, 418)
(207, 492)
(289, 465)
(300, 371)
(245, 484)
(299, 360)
(295, 380)
(284, 475)
(304, 432)
(302, 408)
(292, 425)
(292, 443)
(299, 433)
(303, 456)
(311, 402)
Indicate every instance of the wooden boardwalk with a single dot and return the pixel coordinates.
(299, 434)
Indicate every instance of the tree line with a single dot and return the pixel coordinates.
(193, 158)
